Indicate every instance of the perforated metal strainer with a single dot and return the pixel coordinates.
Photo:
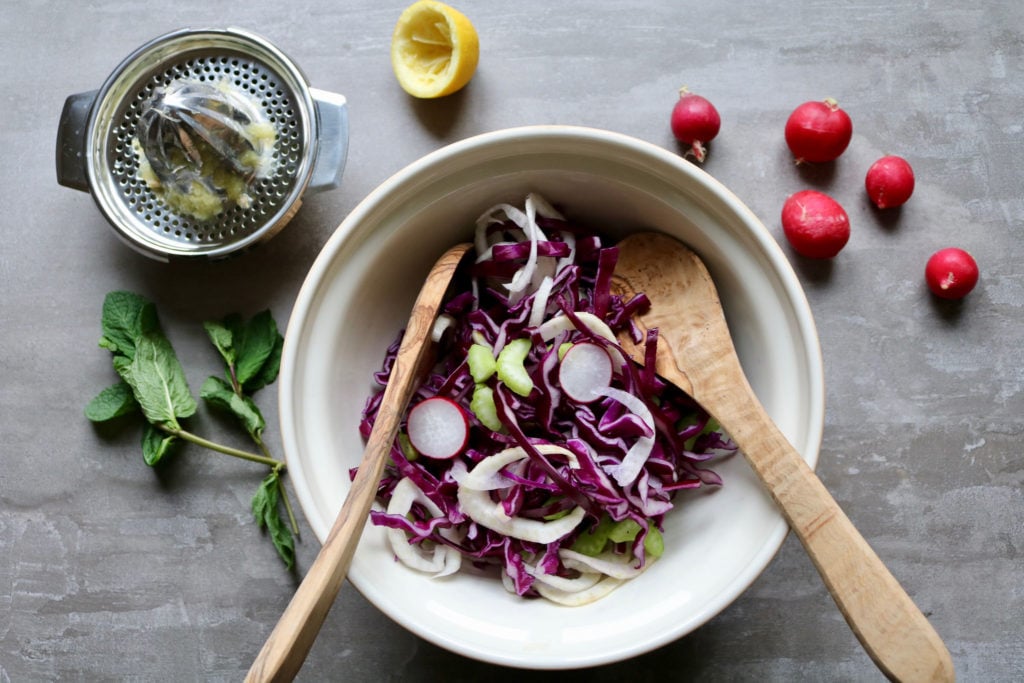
(98, 146)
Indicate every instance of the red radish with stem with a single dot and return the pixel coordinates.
(816, 225)
(951, 273)
(585, 370)
(438, 428)
(889, 182)
(695, 121)
(818, 131)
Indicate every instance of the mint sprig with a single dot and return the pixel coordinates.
(153, 384)
(251, 352)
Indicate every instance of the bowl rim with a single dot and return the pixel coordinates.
(397, 184)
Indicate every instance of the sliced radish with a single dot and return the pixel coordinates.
(585, 371)
(561, 323)
(552, 327)
(438, 428)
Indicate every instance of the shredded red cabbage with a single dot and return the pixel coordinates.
(533, 266)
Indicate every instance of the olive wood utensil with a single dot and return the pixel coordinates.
(289, 643)
(696, 353)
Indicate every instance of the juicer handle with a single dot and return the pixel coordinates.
(72, 167)
(332, 141)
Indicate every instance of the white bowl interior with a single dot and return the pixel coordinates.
(358, 296)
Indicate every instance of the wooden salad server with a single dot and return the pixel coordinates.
(285, 650)
(696, 353)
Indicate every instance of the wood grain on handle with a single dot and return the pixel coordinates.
(893, 631)
(696, 352)
(289, 643)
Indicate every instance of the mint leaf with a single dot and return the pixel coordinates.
(254, 346)
(265, 510)
(251, 349)
(219, 393)
(123, 366)
(158, 381)
(155, 444)
(126, 317)
(222, 337)
(153, 381)
(271, 367)
(114, 401)
(265, 500)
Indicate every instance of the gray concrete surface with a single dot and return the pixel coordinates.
(112, 571)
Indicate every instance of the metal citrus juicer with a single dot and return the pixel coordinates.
(202, 143)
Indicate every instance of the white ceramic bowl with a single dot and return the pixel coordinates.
(359, 293)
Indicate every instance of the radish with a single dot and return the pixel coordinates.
(818, 131)
(951, 273)
(694, 122)
(550, 328)
(438, 428)
(890, 182)
(585, 370)
(815, 224)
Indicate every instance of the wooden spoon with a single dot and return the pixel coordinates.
(289, 643)
(696, 353)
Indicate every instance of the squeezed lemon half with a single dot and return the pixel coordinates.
(434, 49)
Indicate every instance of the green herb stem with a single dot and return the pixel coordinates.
(236, 386)
(226, 450)
(288, 506)
(153, 382)
(280, 482)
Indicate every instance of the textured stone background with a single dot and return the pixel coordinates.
(110, 570)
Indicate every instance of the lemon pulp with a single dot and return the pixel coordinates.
(434, 49)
